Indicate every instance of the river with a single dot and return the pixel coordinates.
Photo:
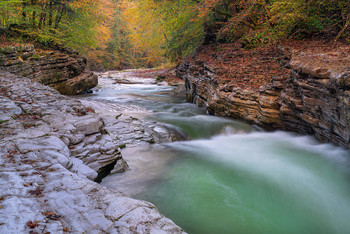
(229, 177)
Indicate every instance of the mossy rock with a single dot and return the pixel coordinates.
(9, 50)
(35, 57)
(160, 78)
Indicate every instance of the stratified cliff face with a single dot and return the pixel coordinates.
(311, 95)
(316, 97)
(66, 71)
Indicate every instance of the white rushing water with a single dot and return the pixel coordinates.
(231, 178)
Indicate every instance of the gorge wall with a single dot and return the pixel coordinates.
(311, 95)
(64, 70)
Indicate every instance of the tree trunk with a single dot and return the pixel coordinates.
(50, 14)
(347, 23)
(24, 13)
(42, 16)
(33, 18)
(59, 15)
(33, 3)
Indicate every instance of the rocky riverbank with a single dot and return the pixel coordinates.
(64, 70)
(52, 148)
(299, 88)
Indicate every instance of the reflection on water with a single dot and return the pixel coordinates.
(232, 178)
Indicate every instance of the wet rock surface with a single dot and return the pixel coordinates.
(51, 148)
(66, 71)
(126, 124)
(310, 96)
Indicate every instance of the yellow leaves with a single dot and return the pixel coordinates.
(152, 24)
(205, 7)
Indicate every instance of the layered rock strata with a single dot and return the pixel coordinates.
(66, 71)
(313, 97)
(51, 149)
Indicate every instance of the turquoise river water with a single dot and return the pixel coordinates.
(231, 177)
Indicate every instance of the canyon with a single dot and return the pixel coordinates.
(309, 93)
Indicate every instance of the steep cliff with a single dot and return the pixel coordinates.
(309, 94)
(64, 70)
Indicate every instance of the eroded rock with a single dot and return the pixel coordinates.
(66, 71)
(51, 149)
(313, 98)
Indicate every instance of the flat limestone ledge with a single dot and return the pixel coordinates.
(330, 68)
(43, 187)
(32, 111)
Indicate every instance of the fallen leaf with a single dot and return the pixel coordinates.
(52, 169)
(36, 192)
(43, 168)
(28, 184)
(51, 215)
(66, 229)
(32, 225)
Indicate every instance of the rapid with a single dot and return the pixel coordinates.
(228, 177)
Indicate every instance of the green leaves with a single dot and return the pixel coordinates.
(163, 30)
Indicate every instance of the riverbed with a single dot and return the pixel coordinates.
(228, 176)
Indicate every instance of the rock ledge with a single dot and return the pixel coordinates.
(66, 71)
(51, 149)
(311, 95)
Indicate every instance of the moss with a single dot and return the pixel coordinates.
(105, 132)
(56, 76)
(36, 56)
(3, 121)
(160, 78)
(8, 49)
(152, 141)
(27, 125)
(45, 135)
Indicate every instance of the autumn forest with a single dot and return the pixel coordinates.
(147, 33)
